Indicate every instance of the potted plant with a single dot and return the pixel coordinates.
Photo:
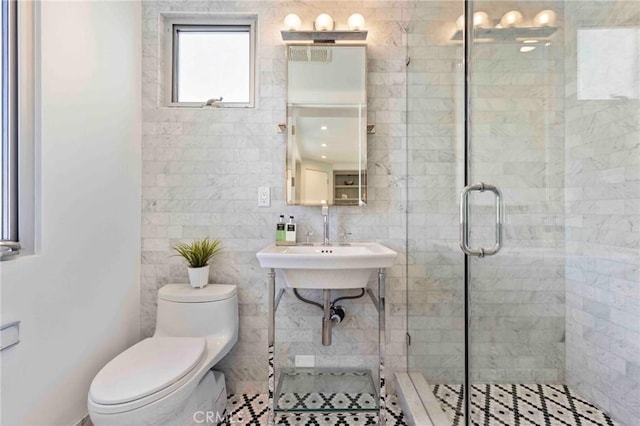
(197, 254)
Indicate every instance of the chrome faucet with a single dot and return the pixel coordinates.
(325, 228)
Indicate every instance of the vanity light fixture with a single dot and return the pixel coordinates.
(323, 29)
(292, 22)
(509, 27)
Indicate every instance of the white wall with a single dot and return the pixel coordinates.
(78, 298)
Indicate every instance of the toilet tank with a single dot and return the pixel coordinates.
(184, 311)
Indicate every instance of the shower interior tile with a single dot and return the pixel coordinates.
(524, 404)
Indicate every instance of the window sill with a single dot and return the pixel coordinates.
(196, 105)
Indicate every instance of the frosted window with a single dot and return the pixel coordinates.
(213, 64)
(608, 63)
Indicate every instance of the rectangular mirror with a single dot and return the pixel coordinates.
(326, 125)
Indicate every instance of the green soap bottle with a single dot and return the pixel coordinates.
(281, 231)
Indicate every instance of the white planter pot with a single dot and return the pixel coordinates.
(199, 277)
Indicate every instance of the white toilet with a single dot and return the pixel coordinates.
(168, 379)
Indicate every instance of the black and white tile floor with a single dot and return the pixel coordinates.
(491, 405)
(251, 410)
(323, 401)
(521, 405)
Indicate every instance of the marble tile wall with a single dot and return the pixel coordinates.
(517, 144)
(602, 201)
(202, 169)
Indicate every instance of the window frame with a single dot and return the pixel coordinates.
(9, 225)
(173, 24)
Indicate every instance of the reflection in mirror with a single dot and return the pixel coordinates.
(326, 125)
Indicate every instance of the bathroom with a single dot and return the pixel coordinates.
(114, 178)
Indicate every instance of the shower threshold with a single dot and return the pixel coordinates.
(326, 390)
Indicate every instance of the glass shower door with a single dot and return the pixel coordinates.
(536, 115)
(515, 158)
(543, 239)
(512, 211)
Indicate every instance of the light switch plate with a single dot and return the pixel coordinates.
(305, 361)
(264, 196)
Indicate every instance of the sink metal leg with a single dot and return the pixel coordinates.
(272, 341)
(382, 415)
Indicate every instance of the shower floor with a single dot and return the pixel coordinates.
(520, 404)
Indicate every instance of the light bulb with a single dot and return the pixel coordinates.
(481, 20)
(525, 49)
(511, 19)
(324, 22)
(546, 18)
(356, 22)
(292, 22)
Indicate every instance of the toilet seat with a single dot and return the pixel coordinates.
(146, 372)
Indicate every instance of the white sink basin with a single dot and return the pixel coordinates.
(327, 267)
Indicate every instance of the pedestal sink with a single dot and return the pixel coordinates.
(327, 267)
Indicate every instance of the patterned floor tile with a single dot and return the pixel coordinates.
(251, 410)
(521, 405)
(325, 401)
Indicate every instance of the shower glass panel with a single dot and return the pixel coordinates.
(552, 121)
(435, 164)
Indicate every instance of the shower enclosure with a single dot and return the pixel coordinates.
(523, 149)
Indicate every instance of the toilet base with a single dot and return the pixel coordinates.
(204, 406)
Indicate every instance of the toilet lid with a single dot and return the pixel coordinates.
(186, 294)
(146, 368)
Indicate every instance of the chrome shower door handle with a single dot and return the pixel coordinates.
(464, 220)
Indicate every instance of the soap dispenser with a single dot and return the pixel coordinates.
(291, 232)
(281, 231)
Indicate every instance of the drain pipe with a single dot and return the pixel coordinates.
(332, 314)
(326, 318)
